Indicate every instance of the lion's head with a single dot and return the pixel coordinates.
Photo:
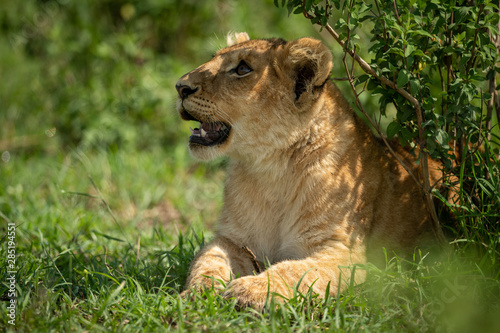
(253, 95)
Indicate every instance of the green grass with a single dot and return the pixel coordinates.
(98, 252)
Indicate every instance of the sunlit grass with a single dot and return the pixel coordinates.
(88, 263)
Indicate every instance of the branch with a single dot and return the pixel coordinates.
(396, 11)
(369, 70)
(253, 259)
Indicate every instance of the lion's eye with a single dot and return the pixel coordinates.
(242, 68)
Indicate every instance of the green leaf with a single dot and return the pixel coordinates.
(298, 10)
(308, 5)
(414, 87)
(403, 78)
(396, 50)
(420, 53)
(493, 29)
(421, 32)
(442, 137)
(409, 50)
(362, 78)
(406, 134)
(324, 21)
(290, 8)
(461, 14)
(427, 123)
(431, 145)
(393, 129)
(276, 3)
(372, 84)
(460, 37)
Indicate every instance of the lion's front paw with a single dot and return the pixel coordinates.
(251, 291)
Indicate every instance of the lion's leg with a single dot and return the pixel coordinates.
(326, 268)
(221, 260)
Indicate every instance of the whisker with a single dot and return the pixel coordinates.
(224, 115)
(229, 120)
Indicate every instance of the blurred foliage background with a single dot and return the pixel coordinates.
(101, 74)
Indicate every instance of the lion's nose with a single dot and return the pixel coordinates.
(184, 90)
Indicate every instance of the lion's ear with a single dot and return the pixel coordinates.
(310, 62)
(236, 38)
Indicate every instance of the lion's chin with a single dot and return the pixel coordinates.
(207, 153)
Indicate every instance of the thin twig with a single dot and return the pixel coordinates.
(396, 11)
(341, 78)
(253, 259)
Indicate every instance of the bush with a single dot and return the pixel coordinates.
(436, 64)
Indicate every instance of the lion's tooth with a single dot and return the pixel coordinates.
(194, 132)
(203, 133)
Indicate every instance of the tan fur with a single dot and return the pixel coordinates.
(310, 191)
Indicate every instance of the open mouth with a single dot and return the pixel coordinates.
(208, 134)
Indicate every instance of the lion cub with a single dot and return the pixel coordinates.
(310, 191)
